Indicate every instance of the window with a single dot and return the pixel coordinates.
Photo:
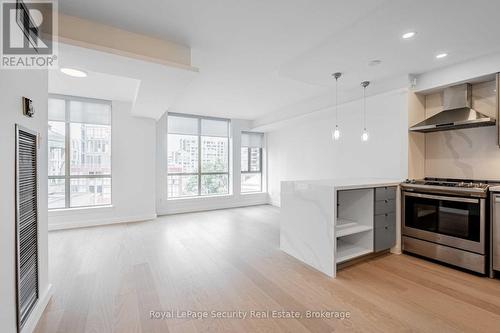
(198, 156)
(251, 162)
(79, 149)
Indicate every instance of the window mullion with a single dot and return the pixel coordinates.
(67, 159)
(90, 176)
(249, 161)
(260, 168)
(199, 156)
(260, 159)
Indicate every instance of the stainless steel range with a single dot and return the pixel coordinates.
(445, 219)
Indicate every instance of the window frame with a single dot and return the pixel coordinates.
(67, 177)
(200, 173)
(249, 162)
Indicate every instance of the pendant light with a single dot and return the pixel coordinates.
(336, 131)
(365, 136)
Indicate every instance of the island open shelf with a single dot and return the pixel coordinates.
(354, 223)
(347, 228)
(353, 246)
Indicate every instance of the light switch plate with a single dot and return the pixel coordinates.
(28, 108)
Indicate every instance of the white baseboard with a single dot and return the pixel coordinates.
(274, 200)
(213, 203)
(35, 316)
(100, 222)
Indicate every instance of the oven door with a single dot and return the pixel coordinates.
(453, 221)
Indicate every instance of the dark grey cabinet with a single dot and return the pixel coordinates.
(385, 218)
(385, 193)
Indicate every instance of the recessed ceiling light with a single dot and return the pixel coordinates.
(73, 72)
(409, 35)
(441, 55)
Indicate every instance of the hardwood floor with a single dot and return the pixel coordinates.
(108, 279)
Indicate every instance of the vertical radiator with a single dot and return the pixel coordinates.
(26, 223)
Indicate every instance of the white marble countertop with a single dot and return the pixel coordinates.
(494, 188)
(308, 218)
(350, 183)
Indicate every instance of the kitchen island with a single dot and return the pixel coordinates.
(327, 222)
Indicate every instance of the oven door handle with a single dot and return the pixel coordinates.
(439, 197)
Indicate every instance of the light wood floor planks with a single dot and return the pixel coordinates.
(108, 279)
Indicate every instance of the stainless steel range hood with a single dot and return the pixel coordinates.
(457, 112)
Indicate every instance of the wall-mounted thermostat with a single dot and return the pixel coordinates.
(28, 108)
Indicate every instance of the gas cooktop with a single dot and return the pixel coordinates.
(449, 183)
(454, 186)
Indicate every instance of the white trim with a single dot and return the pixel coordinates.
(100, 222)
(86, 209)
(199, 197)
(35, 316)
(214, 203)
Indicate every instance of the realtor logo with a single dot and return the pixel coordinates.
(28, 30)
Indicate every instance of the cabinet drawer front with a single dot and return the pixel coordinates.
(385, 238)
(385, 220)
(385, 193)
(385, 207)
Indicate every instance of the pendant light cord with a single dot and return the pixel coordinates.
(336, 102)
(337, 76)
(364, 84)
(364, 107)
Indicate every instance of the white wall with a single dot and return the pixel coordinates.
(133, 175)
(303, 149)
(13, 85)
(233, 199)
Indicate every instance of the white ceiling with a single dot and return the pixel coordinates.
(256, 57)
(95, 85)
(153, 88)
(463, 29)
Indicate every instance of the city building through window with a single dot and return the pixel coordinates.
(79, 152)
(198, 156)
(251, 162)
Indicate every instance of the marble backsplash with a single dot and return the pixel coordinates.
(468, 153)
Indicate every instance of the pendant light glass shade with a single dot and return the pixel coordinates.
(365, 136)
(336, 131)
